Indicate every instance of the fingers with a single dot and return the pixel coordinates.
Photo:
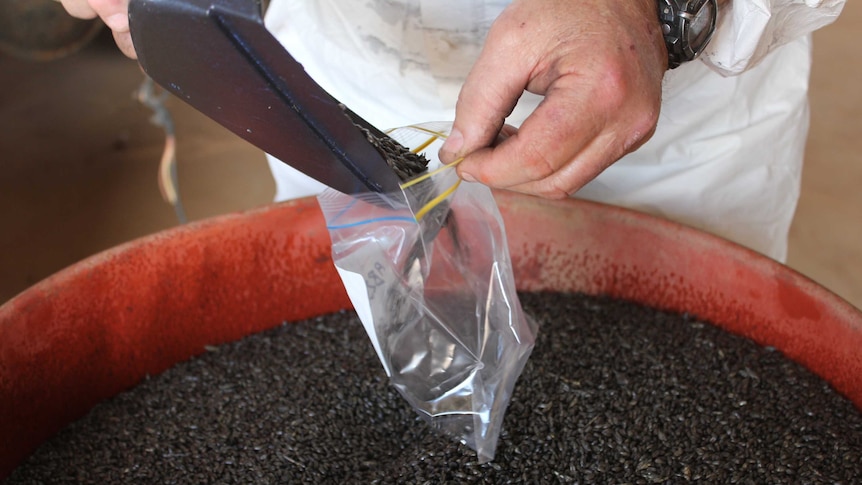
(79, 9)
(124, 42)
(505, 132)
(599, 64)
(577, 172)
(115, 14)
(489, 94)
(542, 155)
(556, 173)
(573, 135)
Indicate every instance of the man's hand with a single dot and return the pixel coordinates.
(599, 64)
(115, 14)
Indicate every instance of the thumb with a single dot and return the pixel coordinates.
(488, 96)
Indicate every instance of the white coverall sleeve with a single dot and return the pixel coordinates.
(748, 30)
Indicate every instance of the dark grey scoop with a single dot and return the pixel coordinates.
(217, 56)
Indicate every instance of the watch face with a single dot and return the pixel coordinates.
(687, 26)
(700, 26)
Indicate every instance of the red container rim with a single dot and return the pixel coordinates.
(98, 327)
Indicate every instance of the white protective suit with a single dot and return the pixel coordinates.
(726, 156)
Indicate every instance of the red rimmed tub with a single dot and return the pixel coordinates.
(99, 326)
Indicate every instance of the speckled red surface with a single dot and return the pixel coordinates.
(101, 325)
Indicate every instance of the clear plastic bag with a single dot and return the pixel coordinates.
(432, 282)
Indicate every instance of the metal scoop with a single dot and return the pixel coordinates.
(217, 56)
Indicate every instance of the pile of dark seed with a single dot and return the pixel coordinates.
(613, 393)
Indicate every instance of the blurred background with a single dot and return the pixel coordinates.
(80, 157)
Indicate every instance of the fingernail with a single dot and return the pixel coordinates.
(454, 142)
(468, 177)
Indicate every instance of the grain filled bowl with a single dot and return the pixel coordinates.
(99, 327)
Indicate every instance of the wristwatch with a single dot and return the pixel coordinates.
(687, 26)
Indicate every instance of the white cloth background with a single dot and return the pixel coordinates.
(727, 153)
